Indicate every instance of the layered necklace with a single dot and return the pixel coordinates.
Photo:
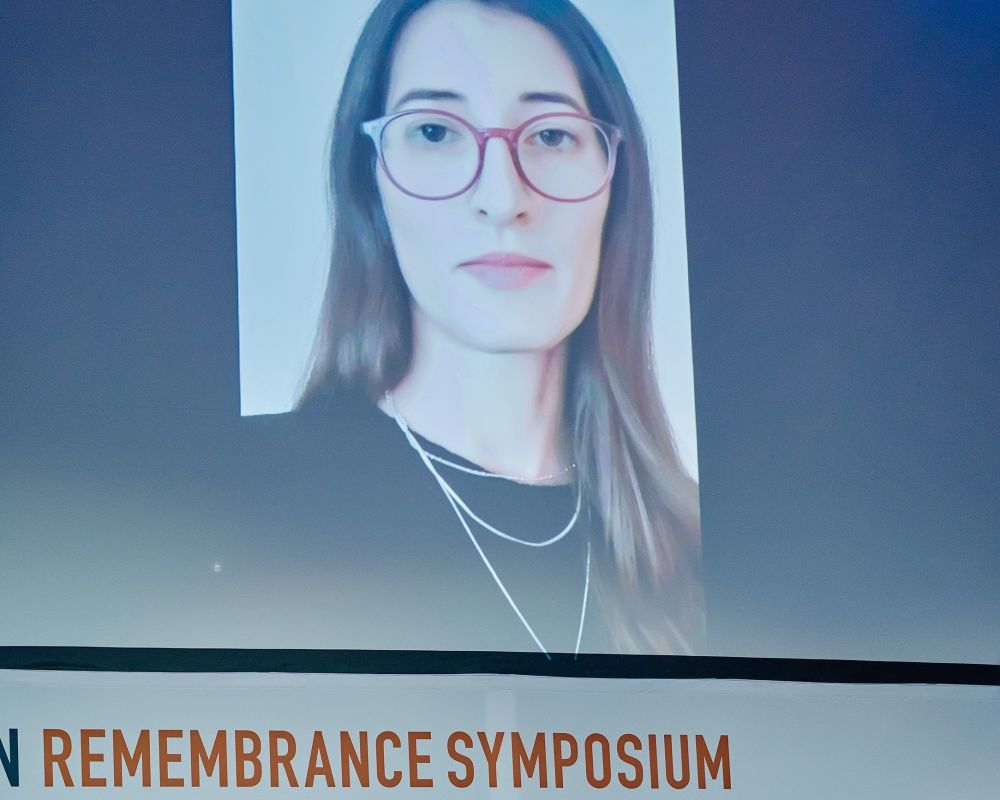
(458, 505)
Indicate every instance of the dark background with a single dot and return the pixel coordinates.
(842, 187)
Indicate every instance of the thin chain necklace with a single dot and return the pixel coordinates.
(458, 505)
(514, 478)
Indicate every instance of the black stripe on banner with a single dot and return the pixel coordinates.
(422, 662)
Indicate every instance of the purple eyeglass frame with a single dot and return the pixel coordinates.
(374, 128)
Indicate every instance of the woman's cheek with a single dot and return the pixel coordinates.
(585, 244)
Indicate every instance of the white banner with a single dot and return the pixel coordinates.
(143, 735)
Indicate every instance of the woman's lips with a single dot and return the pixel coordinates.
(505, 270)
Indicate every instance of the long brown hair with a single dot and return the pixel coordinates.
(628, 469)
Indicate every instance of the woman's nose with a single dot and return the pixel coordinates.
(500, 196)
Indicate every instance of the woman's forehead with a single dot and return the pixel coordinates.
(480, 59)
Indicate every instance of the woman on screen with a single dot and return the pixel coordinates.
(489, 291)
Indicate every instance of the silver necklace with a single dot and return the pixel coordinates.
(514, 478)
(458, 505)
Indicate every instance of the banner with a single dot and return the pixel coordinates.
(143, 735)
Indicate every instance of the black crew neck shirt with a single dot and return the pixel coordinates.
(348, 541)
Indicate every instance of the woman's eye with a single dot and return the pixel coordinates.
(433, 133)
(552, 137)
(557, 139)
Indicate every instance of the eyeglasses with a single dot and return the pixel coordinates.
(435, 155)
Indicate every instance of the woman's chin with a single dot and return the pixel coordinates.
(506, 323)
(508, 338)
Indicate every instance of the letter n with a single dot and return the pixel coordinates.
(8, 758)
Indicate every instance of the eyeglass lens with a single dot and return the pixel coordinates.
(433, 155)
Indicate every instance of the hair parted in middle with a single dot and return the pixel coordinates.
(628, 469)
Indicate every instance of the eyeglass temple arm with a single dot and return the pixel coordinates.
(373, 127)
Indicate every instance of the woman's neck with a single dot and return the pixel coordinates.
(502, 411)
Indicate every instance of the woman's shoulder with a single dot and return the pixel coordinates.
(341, 432)
(340, 413)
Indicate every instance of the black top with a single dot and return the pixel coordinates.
(348, 541)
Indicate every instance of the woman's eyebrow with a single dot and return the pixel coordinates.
(527, 97)
(427, 94)
(552, 97)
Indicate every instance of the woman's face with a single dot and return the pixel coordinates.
(499, 268)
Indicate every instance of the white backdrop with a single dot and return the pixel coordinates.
(289, 61)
